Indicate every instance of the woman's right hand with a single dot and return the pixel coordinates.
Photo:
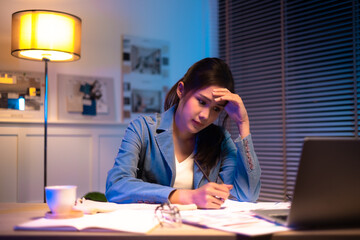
(210, 195)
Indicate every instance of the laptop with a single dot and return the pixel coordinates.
(327, 188)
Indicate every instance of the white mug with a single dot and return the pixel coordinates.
(60, 199)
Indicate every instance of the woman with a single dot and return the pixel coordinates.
(173, 155)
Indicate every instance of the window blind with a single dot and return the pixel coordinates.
(296, 66)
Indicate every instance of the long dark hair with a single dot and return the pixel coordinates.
(204, 73)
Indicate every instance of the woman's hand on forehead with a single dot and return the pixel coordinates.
(234, 107)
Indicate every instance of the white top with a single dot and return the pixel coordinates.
(184, 177)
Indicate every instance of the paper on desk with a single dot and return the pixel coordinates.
(133, 217)
(235, 217)
(118, 220)
(92, 207)
(248, 206)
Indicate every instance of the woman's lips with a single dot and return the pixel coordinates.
(197, 124)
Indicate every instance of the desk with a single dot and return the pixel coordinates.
(12, 214)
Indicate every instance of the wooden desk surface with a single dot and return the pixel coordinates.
(12, 214)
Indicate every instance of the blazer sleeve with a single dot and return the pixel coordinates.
(124, 183)
(240, 167)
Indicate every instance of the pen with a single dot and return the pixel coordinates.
(203, 172)
(208, 179)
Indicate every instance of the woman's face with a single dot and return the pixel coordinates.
(197, 111)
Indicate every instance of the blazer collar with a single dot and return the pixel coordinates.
(164, 139)
(166, 120)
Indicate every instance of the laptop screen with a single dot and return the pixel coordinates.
(327, 186)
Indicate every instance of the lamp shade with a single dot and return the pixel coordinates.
(44, 34)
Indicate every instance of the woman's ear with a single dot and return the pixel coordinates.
(180, 89)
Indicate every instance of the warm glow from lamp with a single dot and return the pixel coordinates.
(39, 34)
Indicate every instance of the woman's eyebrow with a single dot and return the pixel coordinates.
(206, 98)
(210, 100)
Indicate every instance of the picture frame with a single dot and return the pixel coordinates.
(145, 76)
(86, 99)
(21, 96)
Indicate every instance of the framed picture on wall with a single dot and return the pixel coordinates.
(21, 96)
(85, 99)
(145, 69)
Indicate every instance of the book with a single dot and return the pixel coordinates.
(124, 220)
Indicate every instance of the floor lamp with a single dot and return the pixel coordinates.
(45, 35)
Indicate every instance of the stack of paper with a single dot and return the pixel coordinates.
(235, 217)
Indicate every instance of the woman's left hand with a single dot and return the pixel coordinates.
(235, 108)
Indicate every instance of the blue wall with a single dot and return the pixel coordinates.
(184, 23)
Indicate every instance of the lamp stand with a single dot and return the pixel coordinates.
(45, 123)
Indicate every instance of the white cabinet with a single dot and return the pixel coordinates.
(78, 154)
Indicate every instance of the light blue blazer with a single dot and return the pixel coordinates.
(144, 169)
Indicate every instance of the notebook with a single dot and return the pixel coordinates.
(327, 188)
